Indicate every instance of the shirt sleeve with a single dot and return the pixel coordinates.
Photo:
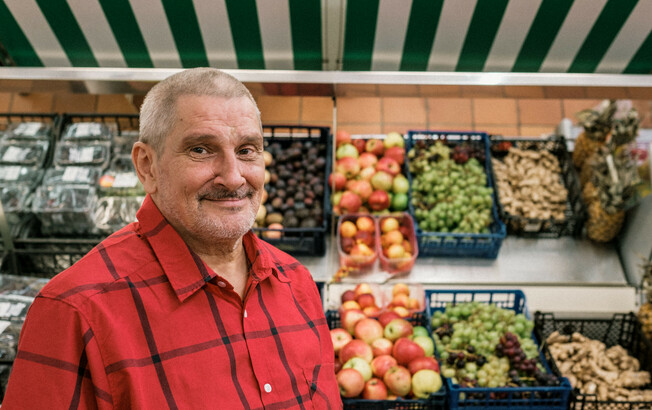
(58, 364)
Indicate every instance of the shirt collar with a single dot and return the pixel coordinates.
(185, 270)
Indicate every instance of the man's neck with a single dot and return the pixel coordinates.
(228, 260)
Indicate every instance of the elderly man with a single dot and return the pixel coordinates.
(185, 308)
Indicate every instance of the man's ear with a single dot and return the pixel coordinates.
(144, 159)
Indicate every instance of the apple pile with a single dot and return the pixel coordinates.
(385, 358)
(367, 174)
(397, 243)
(357, 241)
(362, 299)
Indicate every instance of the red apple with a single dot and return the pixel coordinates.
(426, 343)
(362, 288)
(365, 223)
(365, 237)
(351, 304)
(382, 181)
(347, 295)
(382, 363)
(374, 389)
(347, 166)
(359, 144)
(362, 188)
(388, 165)
(350, 317)
(420, 364)
(378, 200)
(367, 159)
(425, 382)
(366, 299)
(347, 244)
(368, 330)
(375, 146)
(398, 380)
(337, 364)
(356, 348)
(340, 338)
(387, 317)
(371, 311)
(342, 137)
(367, 173)
(350, 202)
(337, 181)
(405, 350)
(396, 329)
(396, 153)
(400, 288)
(350, 382)
(361, 254)
(381, 347)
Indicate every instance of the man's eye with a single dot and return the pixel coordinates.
(247, 151)
(198, 150)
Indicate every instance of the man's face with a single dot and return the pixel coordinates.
(210, 174)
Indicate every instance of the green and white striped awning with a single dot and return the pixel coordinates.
(553, 36)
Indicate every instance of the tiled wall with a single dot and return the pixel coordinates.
(373, 115)
(527, 111)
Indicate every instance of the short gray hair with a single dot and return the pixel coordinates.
(158, 112)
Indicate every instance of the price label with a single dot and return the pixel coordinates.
(12, 309)
(83, 129)
(75, 174)
(4, 324)
(28, 129)
(125, 180)
(14, 154)
(11, 173)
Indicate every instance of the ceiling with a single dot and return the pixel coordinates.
(516, 36)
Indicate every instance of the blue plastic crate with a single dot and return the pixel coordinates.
(436, 401)
(459, 244)
(519, 398)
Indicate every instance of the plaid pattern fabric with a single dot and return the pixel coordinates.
(142, 322)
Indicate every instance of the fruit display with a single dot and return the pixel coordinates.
(597, 124)
(449, 187)
(384, 358)
(383, 302)
(397, 243)
(592, 368)
(356, 242)
(367, 176)
(484, 345)
(294, 184)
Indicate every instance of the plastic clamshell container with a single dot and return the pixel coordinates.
(404, 264)
(539, 397)
(356, 262)
(114, 212)
(30, 130)
(65, 209)
(87, 153)
(121, 178)
(18, 174)
(72, 175)
(87, 131)
(23, 152)
(376, 291)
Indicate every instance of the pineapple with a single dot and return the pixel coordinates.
(645, 311)
(597, 126)
(614, 186)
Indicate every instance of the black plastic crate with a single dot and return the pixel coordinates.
(522, 398)
(621, 329)
(301, 241)
(436, 401)
(574, 214)
(482, 245)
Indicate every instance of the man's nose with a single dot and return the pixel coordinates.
(227, 171)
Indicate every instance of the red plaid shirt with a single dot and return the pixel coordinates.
(142, 322)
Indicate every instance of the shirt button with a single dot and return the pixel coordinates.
(268, 387)
(245, 312)
(221, 284)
